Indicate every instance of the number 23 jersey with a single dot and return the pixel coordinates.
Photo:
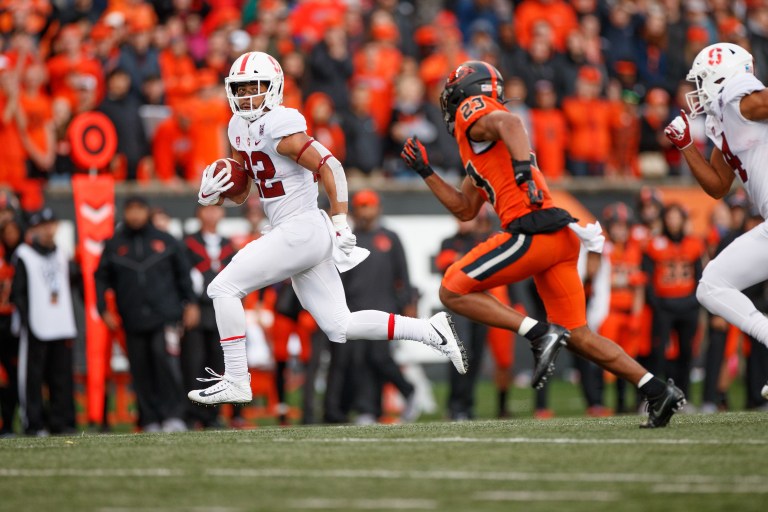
(744, 143)
(285, 188)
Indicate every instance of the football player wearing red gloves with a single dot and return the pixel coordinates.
(496, 153)
(736, 106)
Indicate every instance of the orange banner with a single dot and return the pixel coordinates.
(95, 214)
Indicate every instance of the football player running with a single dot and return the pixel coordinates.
(736, 106)
(303, 244)
(536, 240)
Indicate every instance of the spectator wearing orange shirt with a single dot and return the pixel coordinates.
(653, 144)
(625, 134)
(177, 69)
(322, 126)
(378, 63)
(72, 62)
(448, 55)
(13, 162)
(673, 264)
(172, 147)
(550, 131)
(36, 131)
(210, 115)
(589, 125)
(559, 14)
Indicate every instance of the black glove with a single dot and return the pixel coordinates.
(415, 156)
(522, 170)
(535, 196)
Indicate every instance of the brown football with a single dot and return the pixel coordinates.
(239, 176)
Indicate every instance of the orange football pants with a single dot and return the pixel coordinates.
(506, 258)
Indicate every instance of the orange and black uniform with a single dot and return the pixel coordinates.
(534, 241)
(9, 344)
(622, 323)
(673, 268)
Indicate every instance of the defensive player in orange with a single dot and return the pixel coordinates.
(536, 241)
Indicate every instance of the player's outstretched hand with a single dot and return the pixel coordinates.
(212, 186)
(345, 239)
(415, 155)
(679, 131)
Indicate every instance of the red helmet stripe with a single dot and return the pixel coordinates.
(493, 80)
(245, 62)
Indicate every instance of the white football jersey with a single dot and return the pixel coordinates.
(284, 187)
(744, 143)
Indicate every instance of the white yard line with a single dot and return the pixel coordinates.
(366, 504)
(590, 496)
(91, 473)
(514, 440)
(492, 476)
(721, 488)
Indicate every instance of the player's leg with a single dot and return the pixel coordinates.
(562, 292)
(737, 267)
(289, 248)
(503, 259)
(322, 294)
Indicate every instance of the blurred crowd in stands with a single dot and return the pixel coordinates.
(595, 80)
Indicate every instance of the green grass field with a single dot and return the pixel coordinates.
(700, 463)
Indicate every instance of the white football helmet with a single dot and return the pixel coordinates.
(255, 68)
(711, 68)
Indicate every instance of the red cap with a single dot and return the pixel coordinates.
(365, 197)
(590, 74)
(697, 34)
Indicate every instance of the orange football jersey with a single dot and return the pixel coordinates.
(489, 164)
(674, 265)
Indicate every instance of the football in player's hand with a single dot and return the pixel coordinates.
(239, 176)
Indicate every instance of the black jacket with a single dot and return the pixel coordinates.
(209, 269)
(149, 273)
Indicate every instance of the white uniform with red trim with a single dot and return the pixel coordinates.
(284, 187)
(300, 242)
(744, 262)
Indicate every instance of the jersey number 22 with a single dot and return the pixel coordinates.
(261, 167)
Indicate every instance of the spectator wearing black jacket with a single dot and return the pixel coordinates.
(122, 108)
(41, 292)
(330, 67)
(149, 272)
(209, 253)
(381, 281)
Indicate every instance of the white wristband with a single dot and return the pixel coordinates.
(340, 221)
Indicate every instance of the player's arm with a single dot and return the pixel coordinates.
(715, 176)
(463, 203)
(316, 158)
(508, 128)
(754, 106)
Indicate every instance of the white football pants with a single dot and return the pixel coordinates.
(742, 264)
(298, 248)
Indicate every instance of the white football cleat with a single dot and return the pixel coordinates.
(447, 342)
(225, 391)
(764, 392)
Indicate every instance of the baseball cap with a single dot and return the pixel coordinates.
(365, 197)
(590, 74)
(41, 217)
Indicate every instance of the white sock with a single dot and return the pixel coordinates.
(378, 325)
(645, 380)
(235, 362)
(230, 319)
(526, 325)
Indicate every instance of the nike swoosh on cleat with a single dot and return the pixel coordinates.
(445, 341)
(203, 392)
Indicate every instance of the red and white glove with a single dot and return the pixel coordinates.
(345, 239)
(679, 131)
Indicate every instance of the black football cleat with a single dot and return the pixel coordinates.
(661, 408)
(545, 349)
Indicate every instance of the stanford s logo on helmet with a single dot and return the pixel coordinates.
(712, 68)
(261, 70)
(473, 78)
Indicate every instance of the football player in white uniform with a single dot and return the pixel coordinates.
(303, 244)
(736, 105)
